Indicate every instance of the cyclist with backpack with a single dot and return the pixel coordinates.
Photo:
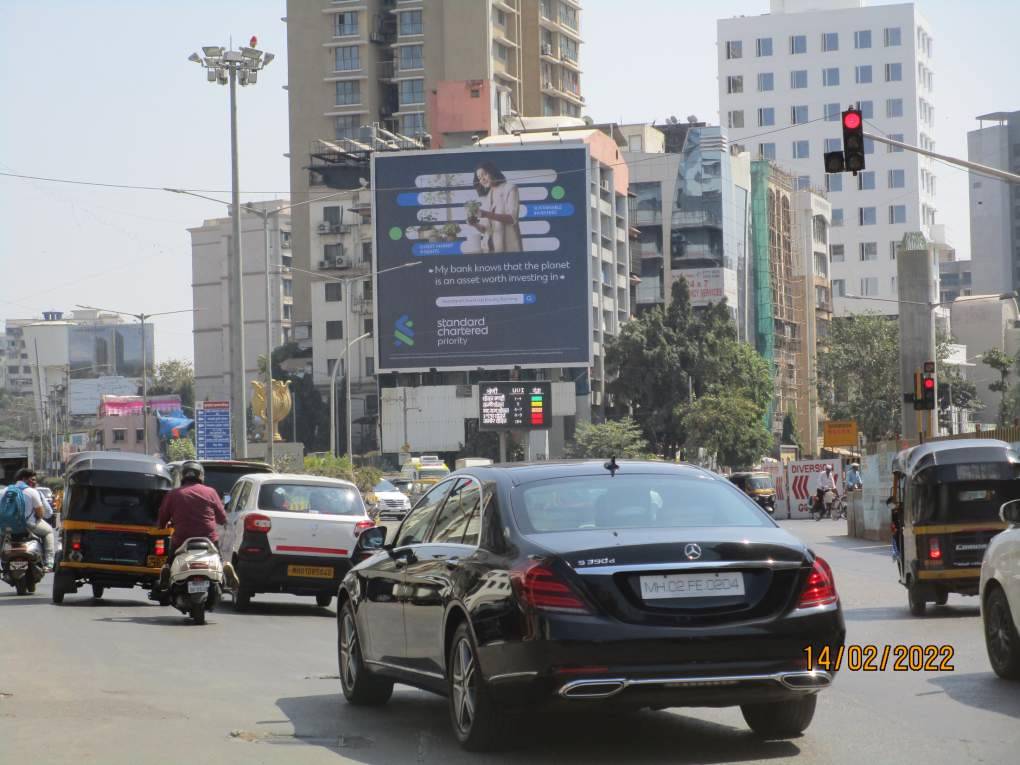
(22, 510)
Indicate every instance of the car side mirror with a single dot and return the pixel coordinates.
(1010, 512)
(369, 543)
(226, 500)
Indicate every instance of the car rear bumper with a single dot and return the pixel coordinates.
(283, 573)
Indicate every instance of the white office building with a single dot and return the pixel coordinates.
(785, 77)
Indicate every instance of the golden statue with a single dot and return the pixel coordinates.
(281, 403)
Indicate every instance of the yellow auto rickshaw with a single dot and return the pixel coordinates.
(945, 509)
(109, 535)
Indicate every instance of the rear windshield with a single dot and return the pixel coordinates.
(223, 478)
(433, 472)
(760, 482)
(137, 507)
(635, 501)
(384, 486)
(307, 498)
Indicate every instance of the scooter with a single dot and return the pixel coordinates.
(824, 509)
(21, 561)
(196, 579)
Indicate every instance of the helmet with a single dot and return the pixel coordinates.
(193, 470)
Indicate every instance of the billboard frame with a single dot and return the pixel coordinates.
(536, 146)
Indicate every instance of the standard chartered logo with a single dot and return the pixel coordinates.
(403, 331)
(458, 331)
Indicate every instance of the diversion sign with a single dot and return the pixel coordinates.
(501, 239)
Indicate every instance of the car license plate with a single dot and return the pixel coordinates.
(155, 561)
(19, 564)
(202, 586)
(314, 572)
(707, 585)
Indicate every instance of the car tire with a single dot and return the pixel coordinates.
(97, 591)
(359, 686)
(62, 584)
(242, 597)
(941, 598)
(1001, 639)
(477, 723)
(787, 719)
(915, 599)
(323, 599)
(198, 613)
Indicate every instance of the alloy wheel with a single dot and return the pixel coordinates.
(464, 695)
(349, 651)
(998, 633)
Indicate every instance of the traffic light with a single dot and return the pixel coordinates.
(928, 386)
(853, 140)
(834, 162)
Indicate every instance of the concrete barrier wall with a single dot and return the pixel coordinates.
(868, 515)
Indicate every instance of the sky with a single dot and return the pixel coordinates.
(107, 95)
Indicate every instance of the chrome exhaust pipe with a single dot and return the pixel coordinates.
(592, 689)
(806, 681)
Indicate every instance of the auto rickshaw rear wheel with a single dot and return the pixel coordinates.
(97, 591)
(62, 584)
(941, 598)
(915, 598)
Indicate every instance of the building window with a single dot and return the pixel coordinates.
(734, 49)
(348, 93)
(894, 107)
(894, 249)
(897, 214)
(334, 292)
(862, 39)
(766, 81)
(866, 216)
(369, 366)
(798, 78)
(346, 24)
(837, 216)
(334, 330)
(119, 435)
(767, 151)
(346, 126)
(288, 287)
(798, 115)
(801, 149)
(833, 182)
(833, 112)
(798, 44)
(500, 50)
(568, 48)
(803, 182)
(839, 287)
(837, 252)
(897, 179)
(410, 23)
(763, 46)
(412, 92)
(347, 59)
(893, 37)
(893, 72)
(869, 286)
(735, 84)
(766, 116)
(735, 119)
(369, 326)
(139, 435)
(866, 180)
(500, 17)
(867, 109)
(568, 16)
(833, 144)
(830, 77)
(412, 124)
(862, 73)
(869, 250)
(830, 41)
(410, 57)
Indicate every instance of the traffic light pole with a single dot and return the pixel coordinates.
(993, 171)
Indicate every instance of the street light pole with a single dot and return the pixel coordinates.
(332, 395)
(269, 346)
(348, 417)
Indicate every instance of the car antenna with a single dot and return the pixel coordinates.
(611, 466)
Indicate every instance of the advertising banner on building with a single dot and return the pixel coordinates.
(501, 246)
(711, 285)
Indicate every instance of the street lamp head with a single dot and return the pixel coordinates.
(212, 51)
(195, 57)
(251, 53)
(210, 75)
(266, 59)
(221, 76)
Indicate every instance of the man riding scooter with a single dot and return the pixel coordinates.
(826, 484)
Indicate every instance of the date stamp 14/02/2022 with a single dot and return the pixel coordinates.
(878, 658)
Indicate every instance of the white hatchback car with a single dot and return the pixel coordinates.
(292, 533)
(1000, 595)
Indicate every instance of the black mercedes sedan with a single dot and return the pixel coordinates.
(513, 588)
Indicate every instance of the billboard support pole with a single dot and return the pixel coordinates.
(502, 446)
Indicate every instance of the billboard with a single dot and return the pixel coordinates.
(711, 285)
(108, 349)
(514, 405)
(500, 239)
(212, 433)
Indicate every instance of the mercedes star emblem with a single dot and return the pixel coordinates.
(692, 551)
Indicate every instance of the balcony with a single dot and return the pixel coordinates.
(327, 228)
(363, 306)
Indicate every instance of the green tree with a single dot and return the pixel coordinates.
(1003, 364)
(728, 426)
(181, 449)
(175, 376)
(328, 466)
(619, 438)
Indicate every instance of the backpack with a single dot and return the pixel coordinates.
(12, 511)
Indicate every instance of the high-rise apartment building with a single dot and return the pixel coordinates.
(439, 72)
(210, 248)
(994, 205)
(785, 77)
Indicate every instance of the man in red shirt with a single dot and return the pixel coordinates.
(194, 510)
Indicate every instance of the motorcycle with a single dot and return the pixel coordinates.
(21, 561)
(822, 508)
(196, 579)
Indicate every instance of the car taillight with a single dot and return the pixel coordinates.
(76, 542)
(260, 524)
(539, 587)
(159, 548)
(362, 526)
(934, 549)
(820, 588)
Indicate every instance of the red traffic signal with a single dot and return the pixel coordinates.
(929, 383)
(851, 120)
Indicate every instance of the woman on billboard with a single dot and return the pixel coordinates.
(497, 215)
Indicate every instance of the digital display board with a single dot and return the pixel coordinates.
(500, 244)
(514, 405)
